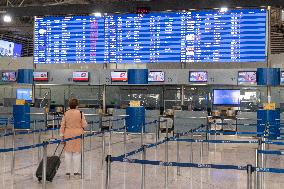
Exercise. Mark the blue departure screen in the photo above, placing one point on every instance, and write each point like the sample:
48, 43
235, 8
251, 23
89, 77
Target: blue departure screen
199, 36
76, 39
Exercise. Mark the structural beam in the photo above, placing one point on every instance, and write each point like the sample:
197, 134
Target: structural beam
126, 6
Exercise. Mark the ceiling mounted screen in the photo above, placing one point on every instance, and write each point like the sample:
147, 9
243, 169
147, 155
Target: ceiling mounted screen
200, 36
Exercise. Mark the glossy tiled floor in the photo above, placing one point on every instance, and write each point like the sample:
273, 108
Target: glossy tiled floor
128, 176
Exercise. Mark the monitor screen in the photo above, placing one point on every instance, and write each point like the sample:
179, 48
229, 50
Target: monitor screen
9, 76
40, 76
282, 78
81, 76
157, 37
156, 76
8, 48
247, 77
24, 94
226, 97
198, 76
119, 76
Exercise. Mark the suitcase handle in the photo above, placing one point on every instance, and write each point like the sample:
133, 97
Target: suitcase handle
57, 149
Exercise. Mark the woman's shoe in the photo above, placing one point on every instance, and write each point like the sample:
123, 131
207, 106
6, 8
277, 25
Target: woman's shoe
77, 174
68, 175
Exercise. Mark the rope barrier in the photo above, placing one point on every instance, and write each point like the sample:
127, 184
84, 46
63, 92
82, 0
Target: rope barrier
178, 164
43, 130
229, 132
196, 165
216, 141
141, 149
56, 141
273, 142
271, 152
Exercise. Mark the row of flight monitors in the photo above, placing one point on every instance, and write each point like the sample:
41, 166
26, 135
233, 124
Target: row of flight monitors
83, 76
244, 77
11, 76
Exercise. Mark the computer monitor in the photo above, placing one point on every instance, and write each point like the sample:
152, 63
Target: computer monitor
226, 97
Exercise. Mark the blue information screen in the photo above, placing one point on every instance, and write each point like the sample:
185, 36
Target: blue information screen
24, 94
226, 97
76, 39
199, 36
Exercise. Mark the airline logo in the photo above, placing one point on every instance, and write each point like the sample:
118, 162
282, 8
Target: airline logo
40, 76
80, 76
119, 76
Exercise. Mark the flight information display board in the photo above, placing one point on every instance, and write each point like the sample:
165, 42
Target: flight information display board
199, 36
231, 36
145, 38
76, 39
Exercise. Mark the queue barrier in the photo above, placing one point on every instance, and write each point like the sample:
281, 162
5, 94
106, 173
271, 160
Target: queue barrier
217, 141
195, 165
271, 152
230, 132
45, 130
177, 164
249, 168
56, 141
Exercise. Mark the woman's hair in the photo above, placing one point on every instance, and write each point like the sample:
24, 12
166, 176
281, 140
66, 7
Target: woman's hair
73, 103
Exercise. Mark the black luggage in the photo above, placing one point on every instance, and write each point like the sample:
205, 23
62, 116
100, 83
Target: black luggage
52, 165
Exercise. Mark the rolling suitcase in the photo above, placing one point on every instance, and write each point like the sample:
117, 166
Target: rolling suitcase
52, 165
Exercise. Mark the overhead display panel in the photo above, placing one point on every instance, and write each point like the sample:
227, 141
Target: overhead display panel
230, 36
199, 36
75, 39
145, 38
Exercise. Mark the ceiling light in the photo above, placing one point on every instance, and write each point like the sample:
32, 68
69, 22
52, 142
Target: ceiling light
224, 9
98, 14
7, 18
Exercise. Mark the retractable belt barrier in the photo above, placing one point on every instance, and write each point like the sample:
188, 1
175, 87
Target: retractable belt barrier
271, 152
216, 141
48, 129
195, 165
179, 164
230, 132
57, 141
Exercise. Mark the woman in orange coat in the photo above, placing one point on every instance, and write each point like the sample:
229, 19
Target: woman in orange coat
72, 125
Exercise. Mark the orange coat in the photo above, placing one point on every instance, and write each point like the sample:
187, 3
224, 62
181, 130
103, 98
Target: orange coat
72, 125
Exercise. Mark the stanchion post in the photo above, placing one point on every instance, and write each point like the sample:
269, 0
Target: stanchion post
34, 128
108, 172
167, 129
256, 183
5, 132
44, 162
249, 176
143, 180
82, 155
208, 136
124, 136
91, 133
262, 164
53, 125
178, 157
191, 148
109, 142
13, 153
38, 152
45, 120
166, 160
157, 130
142, 134
103, 148
201, 152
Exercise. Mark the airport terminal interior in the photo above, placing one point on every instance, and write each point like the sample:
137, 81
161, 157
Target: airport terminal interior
150, 94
